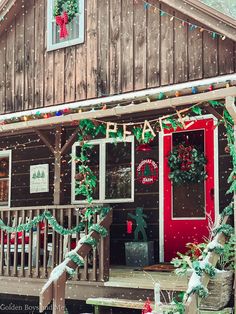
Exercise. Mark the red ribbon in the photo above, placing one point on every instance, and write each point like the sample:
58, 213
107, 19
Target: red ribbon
62, 21
147, 307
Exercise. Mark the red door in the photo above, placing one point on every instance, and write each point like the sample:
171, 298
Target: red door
188, 208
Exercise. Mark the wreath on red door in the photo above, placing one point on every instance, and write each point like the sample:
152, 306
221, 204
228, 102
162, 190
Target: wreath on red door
64, 12
187, 165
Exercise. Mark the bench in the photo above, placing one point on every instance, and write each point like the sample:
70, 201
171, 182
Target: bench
101, 303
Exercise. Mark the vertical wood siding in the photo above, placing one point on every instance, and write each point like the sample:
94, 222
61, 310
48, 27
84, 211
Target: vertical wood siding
126, 48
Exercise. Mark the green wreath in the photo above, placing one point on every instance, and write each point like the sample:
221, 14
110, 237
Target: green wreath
68, 6
187, 165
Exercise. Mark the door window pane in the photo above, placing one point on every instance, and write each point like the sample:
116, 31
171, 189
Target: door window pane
189, 199
118, 170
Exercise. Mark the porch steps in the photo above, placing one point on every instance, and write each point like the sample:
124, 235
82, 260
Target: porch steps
101, 303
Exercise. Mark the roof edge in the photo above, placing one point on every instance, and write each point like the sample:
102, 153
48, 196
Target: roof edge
203, 16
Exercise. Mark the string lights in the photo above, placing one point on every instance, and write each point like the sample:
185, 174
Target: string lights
191, 26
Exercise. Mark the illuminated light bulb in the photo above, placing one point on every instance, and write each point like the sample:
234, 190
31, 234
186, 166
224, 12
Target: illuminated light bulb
194, 90
58, 113
210, 88
66, 110
201, 29
161, 96
224, 37
227, 85
177, 93
25, 118
104, 107
80, 111
172, 18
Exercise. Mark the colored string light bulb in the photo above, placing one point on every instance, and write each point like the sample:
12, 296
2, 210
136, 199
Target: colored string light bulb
194, 90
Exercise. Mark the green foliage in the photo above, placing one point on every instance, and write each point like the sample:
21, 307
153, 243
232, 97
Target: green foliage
197, 110
70, 6
174, 123
88, 182
138, 133
228, 210
226, 229
34, 222
200, 268
194, 171
200, 290
227, 258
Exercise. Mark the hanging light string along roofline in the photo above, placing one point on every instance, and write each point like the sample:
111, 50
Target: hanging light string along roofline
192, 26
17, 145
162, 118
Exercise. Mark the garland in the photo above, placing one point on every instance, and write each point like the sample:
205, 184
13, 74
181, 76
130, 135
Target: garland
226, 229
99, 229
187, 165
89, 241
200, 268
74, 257
64, 12
200, 290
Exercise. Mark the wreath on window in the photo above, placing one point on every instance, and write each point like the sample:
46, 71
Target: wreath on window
64, 12
187, 165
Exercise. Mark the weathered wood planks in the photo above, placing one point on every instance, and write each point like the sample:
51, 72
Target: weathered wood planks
127, 47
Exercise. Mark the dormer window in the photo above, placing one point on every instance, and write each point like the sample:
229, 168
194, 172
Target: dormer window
57, 27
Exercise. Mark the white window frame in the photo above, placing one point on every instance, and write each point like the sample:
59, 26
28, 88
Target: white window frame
67, 43
8, 154
102, 170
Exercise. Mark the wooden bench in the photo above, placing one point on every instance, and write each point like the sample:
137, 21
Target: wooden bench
102, 305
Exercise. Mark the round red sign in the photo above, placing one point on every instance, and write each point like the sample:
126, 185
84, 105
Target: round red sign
147, 171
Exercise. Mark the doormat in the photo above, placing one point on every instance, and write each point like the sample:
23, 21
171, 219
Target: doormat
160, 267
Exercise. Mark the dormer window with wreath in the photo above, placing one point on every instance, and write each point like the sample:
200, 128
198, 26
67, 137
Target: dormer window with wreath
65, 23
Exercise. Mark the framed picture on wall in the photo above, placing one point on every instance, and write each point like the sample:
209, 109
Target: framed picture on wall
39, 178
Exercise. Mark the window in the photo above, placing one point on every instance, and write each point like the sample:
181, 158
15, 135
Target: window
5, 178
112, 161
75, 29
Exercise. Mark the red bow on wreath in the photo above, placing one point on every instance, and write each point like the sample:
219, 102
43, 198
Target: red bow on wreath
62, 21
185, 155
147, 307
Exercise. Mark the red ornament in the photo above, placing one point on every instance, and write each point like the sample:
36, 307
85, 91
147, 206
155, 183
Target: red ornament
66, 110
61, 22
147, 307
129, 224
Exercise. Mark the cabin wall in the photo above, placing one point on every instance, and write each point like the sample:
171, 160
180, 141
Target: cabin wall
126, 48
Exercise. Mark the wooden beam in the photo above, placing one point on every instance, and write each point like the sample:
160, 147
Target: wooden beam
230, 106
211, 110
175, 102
202, 17
45, 139
57, 167
72, 139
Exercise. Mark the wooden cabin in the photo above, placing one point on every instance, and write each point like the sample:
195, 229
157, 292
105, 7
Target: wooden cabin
127, 64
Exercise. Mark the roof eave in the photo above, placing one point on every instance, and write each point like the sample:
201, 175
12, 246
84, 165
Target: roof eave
203, 16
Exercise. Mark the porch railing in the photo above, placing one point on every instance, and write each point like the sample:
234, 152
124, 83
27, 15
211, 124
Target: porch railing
36, 252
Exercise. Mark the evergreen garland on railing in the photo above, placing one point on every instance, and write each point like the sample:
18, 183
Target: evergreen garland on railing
52, 222
74, 257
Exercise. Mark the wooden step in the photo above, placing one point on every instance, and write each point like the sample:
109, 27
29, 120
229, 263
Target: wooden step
99, 303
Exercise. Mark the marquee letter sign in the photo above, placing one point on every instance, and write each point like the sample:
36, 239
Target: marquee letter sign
147, 171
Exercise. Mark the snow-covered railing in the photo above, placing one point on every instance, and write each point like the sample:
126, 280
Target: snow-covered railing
197, 286
54, 289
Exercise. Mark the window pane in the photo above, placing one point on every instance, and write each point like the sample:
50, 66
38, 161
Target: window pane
94, 157
189, 199
118, 170
4, 180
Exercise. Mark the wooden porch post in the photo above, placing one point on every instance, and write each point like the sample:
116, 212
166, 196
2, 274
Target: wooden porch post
230, 106
57, 167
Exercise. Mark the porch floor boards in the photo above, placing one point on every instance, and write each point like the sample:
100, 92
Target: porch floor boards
127, 277
120, 277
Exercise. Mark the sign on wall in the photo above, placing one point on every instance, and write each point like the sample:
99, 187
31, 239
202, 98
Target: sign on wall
39, 178
147, 171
